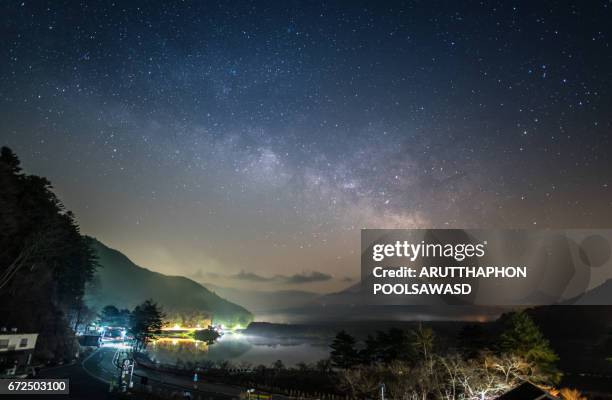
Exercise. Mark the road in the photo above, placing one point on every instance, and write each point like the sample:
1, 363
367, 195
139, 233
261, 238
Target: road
203, 386
90, 379
101, 365
82, 385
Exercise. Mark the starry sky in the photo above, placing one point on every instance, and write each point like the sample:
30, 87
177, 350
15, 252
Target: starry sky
247, 143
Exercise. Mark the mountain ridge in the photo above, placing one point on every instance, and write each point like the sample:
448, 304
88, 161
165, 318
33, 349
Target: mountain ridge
121, 282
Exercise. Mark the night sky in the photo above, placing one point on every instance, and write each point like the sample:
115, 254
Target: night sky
247, 143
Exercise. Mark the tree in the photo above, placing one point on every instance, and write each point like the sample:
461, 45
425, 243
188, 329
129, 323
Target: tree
324, 366
343, 353
146, 321
512, 367
478, 379
278, 365
44, 261
112, 316
424, 342
523, 338
395, 344
398, 346
361, 382
10, 160
372, 351
108, 315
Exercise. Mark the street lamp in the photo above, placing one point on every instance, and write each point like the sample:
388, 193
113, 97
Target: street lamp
382, 391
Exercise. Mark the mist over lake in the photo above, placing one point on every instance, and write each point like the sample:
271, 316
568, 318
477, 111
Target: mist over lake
240, 349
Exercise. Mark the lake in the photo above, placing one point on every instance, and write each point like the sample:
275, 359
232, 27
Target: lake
240, 349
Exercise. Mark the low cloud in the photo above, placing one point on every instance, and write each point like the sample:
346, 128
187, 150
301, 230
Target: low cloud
200, 274
295, 279
314, 276
251, 277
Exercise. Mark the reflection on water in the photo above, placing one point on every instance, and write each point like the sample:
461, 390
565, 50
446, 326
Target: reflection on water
238, 348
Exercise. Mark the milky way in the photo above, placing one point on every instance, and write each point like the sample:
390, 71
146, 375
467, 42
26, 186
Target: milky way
230, 140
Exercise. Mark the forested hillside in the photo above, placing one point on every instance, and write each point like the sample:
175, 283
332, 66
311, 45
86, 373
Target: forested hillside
124, 284
44, 261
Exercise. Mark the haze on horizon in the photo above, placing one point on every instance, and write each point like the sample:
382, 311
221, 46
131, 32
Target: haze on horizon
246, 144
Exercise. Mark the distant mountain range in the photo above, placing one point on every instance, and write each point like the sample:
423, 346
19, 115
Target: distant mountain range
349, 305
601, 295
260, 301
343, 306
124, 284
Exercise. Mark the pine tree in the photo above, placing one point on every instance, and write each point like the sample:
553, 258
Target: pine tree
10, 159
343, 353
523, 338
146, 323
109, 315
389, 346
